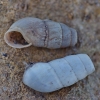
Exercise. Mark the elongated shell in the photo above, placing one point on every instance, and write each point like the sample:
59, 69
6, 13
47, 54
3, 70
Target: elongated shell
59, 73
40, 33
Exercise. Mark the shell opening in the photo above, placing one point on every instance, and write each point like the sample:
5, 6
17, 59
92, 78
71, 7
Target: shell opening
15, 39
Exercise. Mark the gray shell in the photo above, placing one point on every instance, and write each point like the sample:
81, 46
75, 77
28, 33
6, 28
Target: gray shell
42, 33
59, 73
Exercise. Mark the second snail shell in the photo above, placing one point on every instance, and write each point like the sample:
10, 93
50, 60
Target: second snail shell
41, 33
59, 73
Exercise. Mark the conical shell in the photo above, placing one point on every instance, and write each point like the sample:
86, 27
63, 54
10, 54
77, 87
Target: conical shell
40, 33
59, 73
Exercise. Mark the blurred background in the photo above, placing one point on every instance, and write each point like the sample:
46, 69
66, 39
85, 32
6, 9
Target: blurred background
83, 15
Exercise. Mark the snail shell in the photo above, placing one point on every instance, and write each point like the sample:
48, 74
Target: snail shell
40, 33
59, 73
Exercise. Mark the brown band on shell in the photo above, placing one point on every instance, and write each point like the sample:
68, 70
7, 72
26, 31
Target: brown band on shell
55, 36
66, 35
47, 34
62, 35
73, 37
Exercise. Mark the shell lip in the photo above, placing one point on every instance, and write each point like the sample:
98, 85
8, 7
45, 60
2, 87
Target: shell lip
17, 29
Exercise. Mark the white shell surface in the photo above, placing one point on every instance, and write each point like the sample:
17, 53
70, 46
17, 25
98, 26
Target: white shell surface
77, 66
59, 73
61, 66
87, 63
42, 77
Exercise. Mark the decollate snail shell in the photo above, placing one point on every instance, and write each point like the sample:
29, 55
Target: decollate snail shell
40, 33
59, 73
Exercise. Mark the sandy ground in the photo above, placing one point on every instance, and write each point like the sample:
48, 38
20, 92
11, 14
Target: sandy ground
83, 15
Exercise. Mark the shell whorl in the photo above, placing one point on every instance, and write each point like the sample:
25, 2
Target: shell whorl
59, 73
43, 33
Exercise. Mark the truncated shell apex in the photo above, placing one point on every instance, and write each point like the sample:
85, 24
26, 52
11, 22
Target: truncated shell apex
59, 73
40, 33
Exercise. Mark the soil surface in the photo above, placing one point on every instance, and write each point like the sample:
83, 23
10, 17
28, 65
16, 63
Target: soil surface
83, 15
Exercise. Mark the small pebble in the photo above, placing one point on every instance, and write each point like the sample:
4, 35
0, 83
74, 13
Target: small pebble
30, 63
5, 54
